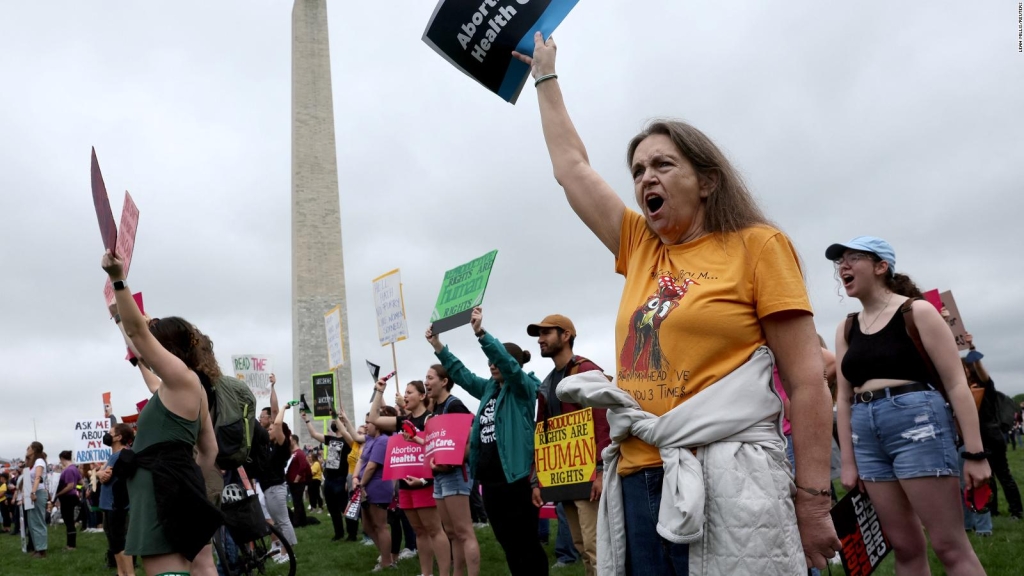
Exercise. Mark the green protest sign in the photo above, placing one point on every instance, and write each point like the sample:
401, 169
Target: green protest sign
462, 290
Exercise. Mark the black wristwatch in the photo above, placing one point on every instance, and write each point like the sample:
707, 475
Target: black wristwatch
481, 333
983, 455
119, 284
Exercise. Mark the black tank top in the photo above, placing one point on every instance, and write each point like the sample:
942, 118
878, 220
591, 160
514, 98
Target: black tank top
888, 353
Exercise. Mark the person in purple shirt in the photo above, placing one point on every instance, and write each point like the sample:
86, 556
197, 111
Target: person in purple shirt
376, 493
68, 496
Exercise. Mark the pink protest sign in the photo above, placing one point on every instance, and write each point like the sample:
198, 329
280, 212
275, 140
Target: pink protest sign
405, 458
125, 241
933, 298
108, 229
548, 512
447, 436
954, 320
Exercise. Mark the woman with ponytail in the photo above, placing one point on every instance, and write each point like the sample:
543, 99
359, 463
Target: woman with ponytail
452, 484
416, 495
36, 497
501, 444
171, 521
896, 431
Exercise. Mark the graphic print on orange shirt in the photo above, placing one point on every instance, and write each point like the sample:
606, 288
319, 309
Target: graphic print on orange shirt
641, 350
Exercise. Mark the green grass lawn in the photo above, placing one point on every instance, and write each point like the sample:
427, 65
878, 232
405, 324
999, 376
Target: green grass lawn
316, 555
1002, 554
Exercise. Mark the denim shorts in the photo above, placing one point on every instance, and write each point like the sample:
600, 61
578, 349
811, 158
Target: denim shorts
905, 436
454, 483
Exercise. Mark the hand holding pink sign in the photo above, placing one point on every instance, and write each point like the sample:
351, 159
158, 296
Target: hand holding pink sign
405, 458
447, 436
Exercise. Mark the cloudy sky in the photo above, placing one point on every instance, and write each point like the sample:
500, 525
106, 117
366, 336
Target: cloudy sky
901, 120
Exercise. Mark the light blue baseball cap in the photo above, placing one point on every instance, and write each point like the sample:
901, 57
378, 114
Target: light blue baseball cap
872, 244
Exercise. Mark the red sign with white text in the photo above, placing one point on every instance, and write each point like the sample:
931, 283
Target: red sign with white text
447, 437
405, 458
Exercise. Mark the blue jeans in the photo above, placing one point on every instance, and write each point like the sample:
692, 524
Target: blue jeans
647, 553
565, 550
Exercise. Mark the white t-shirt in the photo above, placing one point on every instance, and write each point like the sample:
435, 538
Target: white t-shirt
30, 479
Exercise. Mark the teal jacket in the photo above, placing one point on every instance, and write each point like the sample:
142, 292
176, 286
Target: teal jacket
514, 409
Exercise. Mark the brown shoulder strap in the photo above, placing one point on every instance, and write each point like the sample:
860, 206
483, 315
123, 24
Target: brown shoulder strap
907, 309
850, 319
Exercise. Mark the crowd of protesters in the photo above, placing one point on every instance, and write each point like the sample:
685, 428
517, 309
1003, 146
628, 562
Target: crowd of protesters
753, 419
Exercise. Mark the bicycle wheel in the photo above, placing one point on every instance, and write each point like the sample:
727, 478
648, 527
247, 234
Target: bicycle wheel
261, 561
223, 563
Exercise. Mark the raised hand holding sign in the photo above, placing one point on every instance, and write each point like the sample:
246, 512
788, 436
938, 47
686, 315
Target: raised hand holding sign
479, 38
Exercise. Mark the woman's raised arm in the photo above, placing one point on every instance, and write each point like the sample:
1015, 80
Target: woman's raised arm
593, 200
169, 368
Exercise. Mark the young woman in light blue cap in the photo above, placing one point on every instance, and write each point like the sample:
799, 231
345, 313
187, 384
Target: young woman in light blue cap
896, 432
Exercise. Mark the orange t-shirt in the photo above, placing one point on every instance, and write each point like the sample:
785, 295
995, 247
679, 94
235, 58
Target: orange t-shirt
690, 313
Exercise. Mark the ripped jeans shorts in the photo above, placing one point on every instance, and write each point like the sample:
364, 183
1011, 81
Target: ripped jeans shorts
905, 436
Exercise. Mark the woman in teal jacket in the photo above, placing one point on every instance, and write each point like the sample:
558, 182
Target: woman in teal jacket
501, 444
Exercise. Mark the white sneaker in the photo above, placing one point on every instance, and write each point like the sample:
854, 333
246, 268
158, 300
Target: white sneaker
405, 554
480, 525
368, 542
277, 554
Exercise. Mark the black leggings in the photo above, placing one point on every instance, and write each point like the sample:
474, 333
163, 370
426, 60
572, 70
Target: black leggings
5, 513
68, 505
1001, 472
298, 502
514, 521
315, 501
335, 498
399, 524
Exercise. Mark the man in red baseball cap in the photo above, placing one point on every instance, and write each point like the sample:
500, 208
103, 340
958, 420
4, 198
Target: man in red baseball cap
556, 335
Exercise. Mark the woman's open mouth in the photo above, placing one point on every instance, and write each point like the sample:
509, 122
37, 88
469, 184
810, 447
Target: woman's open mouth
847, 279
653, 202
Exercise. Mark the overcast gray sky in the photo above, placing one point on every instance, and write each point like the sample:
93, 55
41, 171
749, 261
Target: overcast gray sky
901, 120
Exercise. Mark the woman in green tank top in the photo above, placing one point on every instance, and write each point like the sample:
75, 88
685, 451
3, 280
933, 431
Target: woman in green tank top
177, 363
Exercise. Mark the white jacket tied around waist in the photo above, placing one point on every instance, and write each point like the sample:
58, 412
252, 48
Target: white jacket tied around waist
732, 501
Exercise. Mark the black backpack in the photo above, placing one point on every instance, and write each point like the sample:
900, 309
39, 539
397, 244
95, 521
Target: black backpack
1006, 411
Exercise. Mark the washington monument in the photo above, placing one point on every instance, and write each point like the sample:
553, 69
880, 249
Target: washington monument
318, 269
